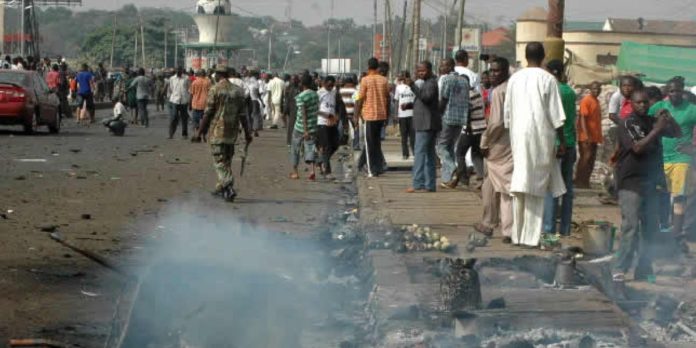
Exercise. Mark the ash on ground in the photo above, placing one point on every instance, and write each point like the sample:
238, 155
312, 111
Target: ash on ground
668, 320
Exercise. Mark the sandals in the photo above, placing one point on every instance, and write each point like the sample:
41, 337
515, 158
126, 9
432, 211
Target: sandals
618, 277
479, 227
295, 176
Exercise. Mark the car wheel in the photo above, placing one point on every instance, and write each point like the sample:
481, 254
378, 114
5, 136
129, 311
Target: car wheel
30, 128
55, 127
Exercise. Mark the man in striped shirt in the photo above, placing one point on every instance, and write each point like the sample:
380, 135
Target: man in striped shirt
305, 132
347, 92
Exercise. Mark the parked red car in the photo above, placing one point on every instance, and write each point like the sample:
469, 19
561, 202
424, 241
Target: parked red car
26, 100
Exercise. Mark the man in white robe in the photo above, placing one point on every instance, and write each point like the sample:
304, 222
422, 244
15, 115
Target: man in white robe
534, 114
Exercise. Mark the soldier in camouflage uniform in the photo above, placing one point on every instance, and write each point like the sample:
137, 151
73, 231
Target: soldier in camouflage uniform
225, 114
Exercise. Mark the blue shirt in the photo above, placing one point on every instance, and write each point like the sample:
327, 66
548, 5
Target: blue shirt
455, 88
84, 79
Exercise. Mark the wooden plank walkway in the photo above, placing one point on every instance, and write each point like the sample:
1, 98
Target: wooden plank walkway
452, 213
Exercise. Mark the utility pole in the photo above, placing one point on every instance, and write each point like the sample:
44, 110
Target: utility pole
142, 38
415, 47
340, 58
460, 25
113, 42
383, 49
328, 39
555, 46
166, 32
359, 57
374, 29
444, 29
2, 27
287, 56
176, 48
270, 47
135, 50
401, 36
389, 37
217, 29
24, 31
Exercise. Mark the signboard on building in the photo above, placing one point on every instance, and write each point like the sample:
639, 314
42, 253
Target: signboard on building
422, 44
471, 39
337, 66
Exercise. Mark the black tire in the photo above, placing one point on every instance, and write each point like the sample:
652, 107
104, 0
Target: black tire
30, 128
55, 127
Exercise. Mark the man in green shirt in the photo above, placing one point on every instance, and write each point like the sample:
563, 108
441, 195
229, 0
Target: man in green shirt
305, 132
678, 152
225, 114
567, 158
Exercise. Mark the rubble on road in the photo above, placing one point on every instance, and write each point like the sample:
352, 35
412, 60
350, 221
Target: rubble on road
415, 238
548, 338
668, 320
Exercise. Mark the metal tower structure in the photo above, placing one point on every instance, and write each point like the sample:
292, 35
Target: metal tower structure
29, 35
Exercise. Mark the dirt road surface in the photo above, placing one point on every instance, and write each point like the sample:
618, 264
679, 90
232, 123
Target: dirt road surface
106, 194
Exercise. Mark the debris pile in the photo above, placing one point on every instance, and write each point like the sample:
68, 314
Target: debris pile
666, 319
460, 288
421, 238
476, 240
550, 338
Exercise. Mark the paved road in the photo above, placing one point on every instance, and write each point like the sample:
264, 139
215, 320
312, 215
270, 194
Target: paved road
108, 194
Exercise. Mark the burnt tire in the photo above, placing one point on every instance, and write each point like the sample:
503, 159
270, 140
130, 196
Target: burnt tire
55, 127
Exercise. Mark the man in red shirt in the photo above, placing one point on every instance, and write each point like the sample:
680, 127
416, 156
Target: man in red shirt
627, 85
589, 128
53, 78
486, 91
199, 96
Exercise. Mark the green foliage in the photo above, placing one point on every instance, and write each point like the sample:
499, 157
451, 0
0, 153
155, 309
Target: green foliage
88, 35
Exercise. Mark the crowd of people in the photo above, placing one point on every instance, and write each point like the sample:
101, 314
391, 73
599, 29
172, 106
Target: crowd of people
523, 132
527, 136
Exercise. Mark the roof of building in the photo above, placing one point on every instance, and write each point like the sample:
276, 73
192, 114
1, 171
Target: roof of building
582, 26
641, 25
496, 37
623, 25
535, 14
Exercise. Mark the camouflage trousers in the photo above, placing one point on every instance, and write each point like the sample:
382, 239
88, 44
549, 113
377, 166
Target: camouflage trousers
222, 162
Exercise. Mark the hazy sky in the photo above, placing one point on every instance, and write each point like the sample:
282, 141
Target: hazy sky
496, 11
